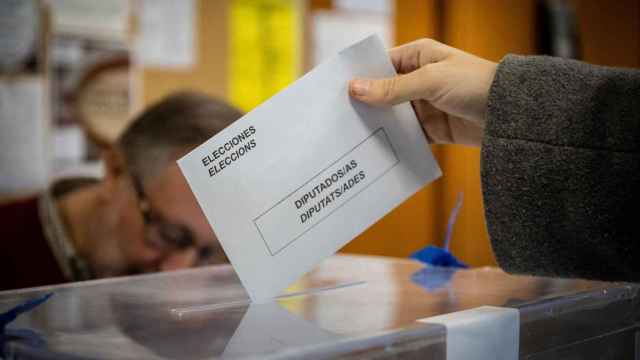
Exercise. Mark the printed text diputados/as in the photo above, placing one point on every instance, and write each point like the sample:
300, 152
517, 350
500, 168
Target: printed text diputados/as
320, 199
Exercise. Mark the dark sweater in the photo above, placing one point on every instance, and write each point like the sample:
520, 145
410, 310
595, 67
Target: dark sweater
26, 259
561, 169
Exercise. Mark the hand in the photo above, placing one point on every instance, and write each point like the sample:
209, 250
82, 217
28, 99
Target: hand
448, 89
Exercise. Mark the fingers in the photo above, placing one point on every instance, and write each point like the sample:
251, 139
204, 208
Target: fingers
391, 91
412, 62
411, 56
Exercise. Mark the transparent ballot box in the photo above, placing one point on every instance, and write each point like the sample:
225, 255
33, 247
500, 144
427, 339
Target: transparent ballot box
352, 307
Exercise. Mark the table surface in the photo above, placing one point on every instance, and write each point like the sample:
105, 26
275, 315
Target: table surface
348, 306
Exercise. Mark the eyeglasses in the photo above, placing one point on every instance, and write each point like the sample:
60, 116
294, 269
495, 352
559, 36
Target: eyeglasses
163, 235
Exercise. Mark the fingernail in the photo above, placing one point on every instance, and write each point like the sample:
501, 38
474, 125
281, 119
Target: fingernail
359, 87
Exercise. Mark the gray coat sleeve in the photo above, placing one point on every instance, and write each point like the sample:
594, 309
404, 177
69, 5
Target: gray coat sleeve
560, 169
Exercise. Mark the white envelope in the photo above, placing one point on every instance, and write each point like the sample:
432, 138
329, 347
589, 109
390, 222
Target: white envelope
294, 180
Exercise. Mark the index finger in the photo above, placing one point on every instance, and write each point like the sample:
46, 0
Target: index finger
412, 56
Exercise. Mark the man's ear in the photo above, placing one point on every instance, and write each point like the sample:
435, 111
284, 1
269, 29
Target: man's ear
114, 167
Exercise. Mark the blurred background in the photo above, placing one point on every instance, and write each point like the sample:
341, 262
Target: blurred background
74, 72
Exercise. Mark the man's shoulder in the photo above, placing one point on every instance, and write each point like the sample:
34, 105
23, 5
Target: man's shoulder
20, 225
23, 244
19, 213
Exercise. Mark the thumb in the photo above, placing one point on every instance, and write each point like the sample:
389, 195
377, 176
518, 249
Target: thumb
390, 91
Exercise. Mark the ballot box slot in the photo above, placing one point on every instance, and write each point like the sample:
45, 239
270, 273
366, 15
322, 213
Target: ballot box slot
181, 312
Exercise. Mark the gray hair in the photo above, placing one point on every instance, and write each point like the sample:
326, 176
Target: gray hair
175, 124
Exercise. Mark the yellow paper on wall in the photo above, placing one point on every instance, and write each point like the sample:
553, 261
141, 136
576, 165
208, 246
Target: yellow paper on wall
265, 49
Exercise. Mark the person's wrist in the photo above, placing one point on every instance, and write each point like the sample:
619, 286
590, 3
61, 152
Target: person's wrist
487, 74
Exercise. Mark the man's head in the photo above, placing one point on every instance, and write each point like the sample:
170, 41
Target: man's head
152, 214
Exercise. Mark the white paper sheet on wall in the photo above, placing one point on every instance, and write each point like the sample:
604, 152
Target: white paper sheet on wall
167, 33
24, 142
307, 171
334, 30
103, 19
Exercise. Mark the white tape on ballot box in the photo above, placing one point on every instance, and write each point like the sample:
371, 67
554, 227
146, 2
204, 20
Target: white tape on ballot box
483, 333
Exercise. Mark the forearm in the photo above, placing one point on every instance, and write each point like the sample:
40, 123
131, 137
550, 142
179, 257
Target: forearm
561, 168
565, 103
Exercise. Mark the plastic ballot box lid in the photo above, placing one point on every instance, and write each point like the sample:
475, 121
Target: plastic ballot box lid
347, 307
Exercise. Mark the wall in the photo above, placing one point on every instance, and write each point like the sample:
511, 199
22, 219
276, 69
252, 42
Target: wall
209, 73
488, 28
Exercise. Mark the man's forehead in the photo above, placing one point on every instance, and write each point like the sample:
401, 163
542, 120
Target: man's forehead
170, 174
168, 177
